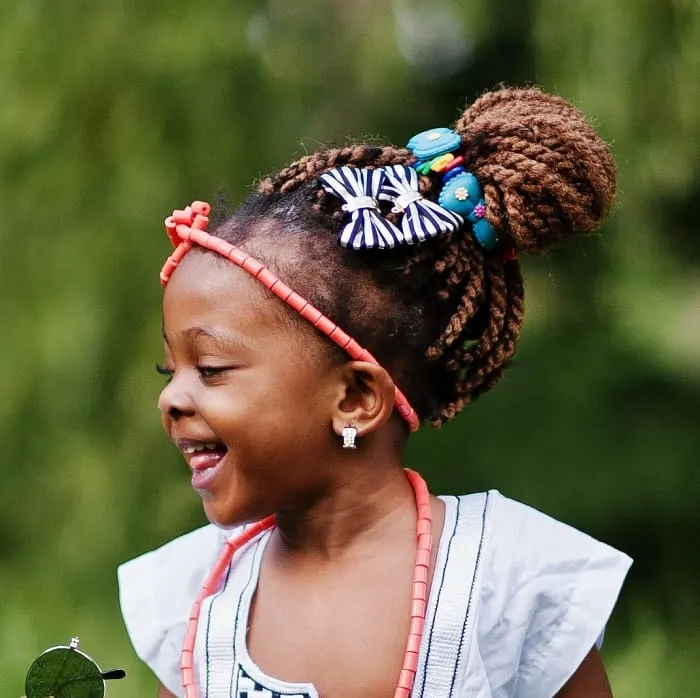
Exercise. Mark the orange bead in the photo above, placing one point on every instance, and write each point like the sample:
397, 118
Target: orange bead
201, 207
406, 678
252, 266
296, 301
220, 246
413, 645
187, 677
424, 511
237, 256
416, 626
423, 558
313, 315
281, 290
266, 277
200, 222
339, 337
418, 608
325, 325
194, 612
411, 662
420, 589
424, 526
354, 349
421, 574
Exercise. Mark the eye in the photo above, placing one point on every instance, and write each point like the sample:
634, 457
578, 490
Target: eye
208, 372
163, 371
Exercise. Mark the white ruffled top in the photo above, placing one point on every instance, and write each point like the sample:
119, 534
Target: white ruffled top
518, 599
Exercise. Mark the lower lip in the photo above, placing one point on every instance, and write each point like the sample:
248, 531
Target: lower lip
205, 470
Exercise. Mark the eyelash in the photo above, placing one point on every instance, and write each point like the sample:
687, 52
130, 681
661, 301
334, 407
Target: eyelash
168, 373
205, 372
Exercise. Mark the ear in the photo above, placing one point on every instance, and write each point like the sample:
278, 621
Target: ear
366, 399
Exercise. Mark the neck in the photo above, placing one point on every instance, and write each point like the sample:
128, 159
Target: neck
368, 501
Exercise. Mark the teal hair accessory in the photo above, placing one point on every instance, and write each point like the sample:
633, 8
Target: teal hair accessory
461, 192
437, 141
485, 234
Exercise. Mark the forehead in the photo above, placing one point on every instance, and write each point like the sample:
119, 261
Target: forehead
206, 290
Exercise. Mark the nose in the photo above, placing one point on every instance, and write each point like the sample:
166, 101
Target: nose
175, 401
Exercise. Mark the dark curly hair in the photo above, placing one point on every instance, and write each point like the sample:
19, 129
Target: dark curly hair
443, 317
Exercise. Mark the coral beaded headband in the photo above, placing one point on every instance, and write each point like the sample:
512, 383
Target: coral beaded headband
188, 228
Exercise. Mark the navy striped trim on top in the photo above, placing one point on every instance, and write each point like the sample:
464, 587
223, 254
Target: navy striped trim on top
437, 601
467, 615
214, 599
251, 575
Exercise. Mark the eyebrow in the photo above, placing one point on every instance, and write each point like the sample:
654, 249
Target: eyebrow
192, 334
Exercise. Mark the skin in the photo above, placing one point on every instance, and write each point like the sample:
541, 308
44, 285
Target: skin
339, 565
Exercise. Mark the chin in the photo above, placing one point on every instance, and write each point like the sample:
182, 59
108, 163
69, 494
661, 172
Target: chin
227, 516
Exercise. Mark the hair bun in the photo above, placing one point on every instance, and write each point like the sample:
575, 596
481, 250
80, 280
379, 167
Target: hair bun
545, 172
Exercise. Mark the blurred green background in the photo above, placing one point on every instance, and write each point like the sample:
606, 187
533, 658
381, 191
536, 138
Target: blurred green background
112, 114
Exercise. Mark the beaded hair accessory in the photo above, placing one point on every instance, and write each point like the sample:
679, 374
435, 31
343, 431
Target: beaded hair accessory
461, 198
461, 192
188, 227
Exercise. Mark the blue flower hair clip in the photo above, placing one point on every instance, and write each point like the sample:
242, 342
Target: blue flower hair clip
437, 141
461, 192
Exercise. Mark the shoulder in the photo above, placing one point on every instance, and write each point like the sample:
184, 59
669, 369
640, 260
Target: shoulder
156, 592
546, 591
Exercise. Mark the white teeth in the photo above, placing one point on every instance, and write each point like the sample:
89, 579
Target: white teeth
189, 450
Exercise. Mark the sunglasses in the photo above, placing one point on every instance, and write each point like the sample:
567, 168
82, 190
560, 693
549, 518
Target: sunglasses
67, 672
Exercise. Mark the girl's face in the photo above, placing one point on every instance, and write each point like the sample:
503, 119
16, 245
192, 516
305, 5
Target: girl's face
252, 390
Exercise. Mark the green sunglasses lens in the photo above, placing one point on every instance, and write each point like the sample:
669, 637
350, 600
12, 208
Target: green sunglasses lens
64, 672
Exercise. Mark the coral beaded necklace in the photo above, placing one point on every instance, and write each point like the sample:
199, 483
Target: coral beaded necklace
418, 601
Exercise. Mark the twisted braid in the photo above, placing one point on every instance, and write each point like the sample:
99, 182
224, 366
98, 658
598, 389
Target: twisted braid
310, 166
444, 316
555, 174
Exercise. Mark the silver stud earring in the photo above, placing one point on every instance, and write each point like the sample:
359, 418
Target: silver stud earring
349, 435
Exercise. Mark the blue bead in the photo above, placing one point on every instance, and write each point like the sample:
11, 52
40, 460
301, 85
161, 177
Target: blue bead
437, 141
461, 194
452, 173
485, 234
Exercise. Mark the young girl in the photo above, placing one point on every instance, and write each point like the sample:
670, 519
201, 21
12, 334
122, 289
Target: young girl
359, 292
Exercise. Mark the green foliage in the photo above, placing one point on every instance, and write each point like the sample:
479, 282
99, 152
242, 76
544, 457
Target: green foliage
114, 113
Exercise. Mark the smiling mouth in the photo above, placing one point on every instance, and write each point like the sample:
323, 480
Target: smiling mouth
205, 459
201, 455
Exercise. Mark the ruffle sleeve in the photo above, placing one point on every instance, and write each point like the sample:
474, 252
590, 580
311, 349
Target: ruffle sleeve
156, 592
547, 593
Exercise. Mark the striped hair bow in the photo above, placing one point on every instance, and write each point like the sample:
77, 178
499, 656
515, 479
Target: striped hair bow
359, 189
422, 218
